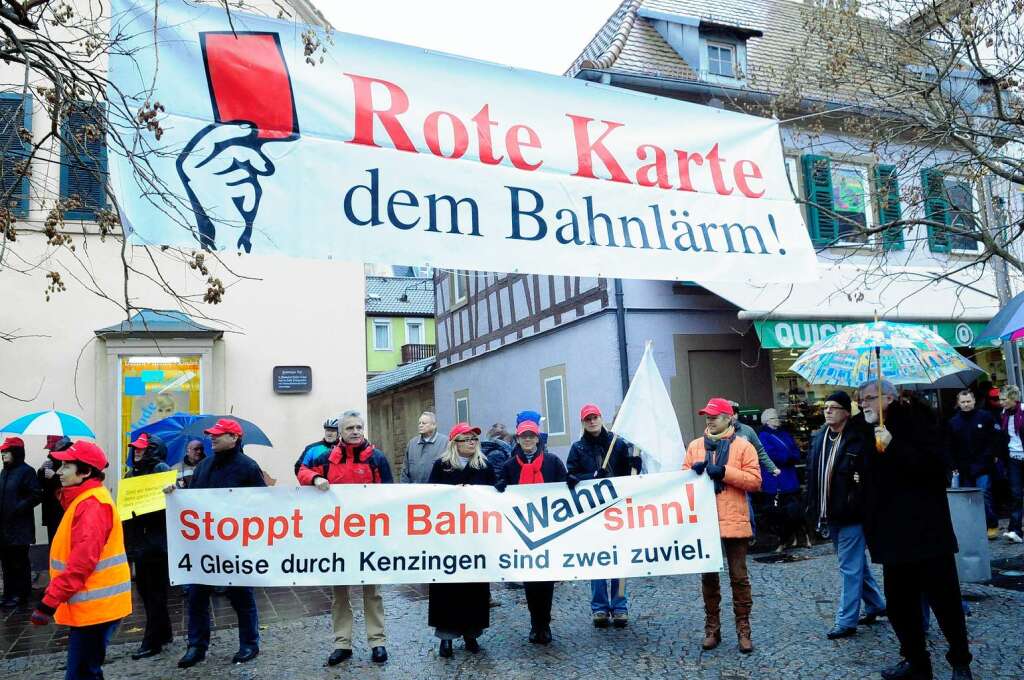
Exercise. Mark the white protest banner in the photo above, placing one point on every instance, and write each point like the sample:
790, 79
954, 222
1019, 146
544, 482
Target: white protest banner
388, 153
420, 533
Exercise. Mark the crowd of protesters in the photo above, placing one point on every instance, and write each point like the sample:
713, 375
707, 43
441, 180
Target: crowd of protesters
877, 492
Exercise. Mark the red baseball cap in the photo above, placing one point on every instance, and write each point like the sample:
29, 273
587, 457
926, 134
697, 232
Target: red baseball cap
589, 410
84, 452
462, 428
12, 441
527, 426
51, 441
716, 407
225, 426
994, 392
142, 442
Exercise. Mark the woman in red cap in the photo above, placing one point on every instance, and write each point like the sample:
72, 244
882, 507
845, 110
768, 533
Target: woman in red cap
90, 586
531, 464
460, 609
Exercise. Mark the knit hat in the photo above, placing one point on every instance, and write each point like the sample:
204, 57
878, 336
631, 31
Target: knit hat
841, 398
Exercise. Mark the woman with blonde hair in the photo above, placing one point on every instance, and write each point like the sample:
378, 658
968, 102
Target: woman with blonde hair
460, 609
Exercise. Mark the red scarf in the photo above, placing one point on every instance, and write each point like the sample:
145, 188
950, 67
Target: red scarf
529, 473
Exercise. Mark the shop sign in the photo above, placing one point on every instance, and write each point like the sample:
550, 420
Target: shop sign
802, 334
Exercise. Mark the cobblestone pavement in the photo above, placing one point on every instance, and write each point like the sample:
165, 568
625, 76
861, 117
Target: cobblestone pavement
793, 608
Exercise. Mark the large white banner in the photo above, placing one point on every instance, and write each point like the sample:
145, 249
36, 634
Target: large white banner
418, 533
388, 153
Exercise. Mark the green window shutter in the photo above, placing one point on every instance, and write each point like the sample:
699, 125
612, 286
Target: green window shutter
887, 201
14, 114
818, 192
936, 209
83, 160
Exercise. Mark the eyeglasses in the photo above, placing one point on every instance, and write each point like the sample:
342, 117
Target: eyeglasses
467, 440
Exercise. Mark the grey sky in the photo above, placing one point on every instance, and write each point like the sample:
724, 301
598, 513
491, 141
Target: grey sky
543, 35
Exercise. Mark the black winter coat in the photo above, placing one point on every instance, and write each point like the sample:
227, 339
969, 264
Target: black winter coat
145, 536
49, 490
972, 444
497, 454
227, 470
19, 493
846, 495
463, 608
906, 513
587, 454
552, 469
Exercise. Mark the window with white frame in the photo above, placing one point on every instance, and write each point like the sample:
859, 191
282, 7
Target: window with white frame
721, 59
414, 332
382, 336
462, 406
554, 405
793, 175
851, 201
963, 205
457, 281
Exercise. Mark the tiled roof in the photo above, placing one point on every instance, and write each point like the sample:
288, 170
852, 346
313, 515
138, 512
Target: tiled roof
399, 296
149, 321
783, 59
400, 375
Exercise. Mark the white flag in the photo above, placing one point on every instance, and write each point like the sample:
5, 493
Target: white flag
647, 420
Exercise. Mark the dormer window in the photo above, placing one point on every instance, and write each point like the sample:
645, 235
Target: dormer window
721, 59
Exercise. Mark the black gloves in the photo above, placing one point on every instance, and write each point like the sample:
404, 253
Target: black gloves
571, 481
715, 472
636, 463
601, 473
699, 466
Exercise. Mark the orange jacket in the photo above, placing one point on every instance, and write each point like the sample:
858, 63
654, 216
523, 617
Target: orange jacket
742, 474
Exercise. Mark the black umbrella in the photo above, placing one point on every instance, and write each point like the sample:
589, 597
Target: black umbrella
252, 434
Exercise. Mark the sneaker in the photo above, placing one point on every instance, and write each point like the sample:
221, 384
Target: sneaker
1013, 537
993, 533
601, 619
620, 619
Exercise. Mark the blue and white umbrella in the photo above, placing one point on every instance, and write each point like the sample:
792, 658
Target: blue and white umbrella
43, 423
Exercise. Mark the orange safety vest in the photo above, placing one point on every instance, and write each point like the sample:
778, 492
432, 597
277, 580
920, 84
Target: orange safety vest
107, 595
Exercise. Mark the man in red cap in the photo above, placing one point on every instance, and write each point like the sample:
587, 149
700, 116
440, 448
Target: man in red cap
731, 463
90, 586
227, 468
587, 461
19, 493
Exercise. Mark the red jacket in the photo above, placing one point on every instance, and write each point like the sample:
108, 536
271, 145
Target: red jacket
90, 529
347, 464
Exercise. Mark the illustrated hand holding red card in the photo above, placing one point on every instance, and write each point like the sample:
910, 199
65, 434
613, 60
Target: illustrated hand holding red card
249, 82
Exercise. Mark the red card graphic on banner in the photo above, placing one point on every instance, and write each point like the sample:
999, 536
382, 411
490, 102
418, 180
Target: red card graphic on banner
249, 82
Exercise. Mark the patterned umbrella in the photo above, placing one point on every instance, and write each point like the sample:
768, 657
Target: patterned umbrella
909, 354
49, 422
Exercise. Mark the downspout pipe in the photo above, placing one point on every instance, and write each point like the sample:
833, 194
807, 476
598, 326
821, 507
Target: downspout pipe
620, 324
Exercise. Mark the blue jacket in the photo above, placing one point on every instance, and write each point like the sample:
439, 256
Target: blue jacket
311, 452
782, 449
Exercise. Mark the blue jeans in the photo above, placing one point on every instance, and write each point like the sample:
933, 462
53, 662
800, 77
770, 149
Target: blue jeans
242, 601
1015, 471
858, 583
87, 648
983, 482
599, 596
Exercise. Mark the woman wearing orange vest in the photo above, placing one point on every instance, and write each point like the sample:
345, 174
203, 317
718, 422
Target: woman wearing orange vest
90, 583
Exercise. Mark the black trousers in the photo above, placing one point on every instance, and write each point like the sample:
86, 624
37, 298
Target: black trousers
538, 598
17, 571
906, 584
152, 582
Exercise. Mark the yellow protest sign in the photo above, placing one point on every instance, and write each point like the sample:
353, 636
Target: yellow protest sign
139, 495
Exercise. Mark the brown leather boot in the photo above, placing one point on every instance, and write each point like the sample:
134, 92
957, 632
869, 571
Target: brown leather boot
742, 601
712, 617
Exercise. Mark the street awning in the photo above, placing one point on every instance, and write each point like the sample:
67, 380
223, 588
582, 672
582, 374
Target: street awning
798, 315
